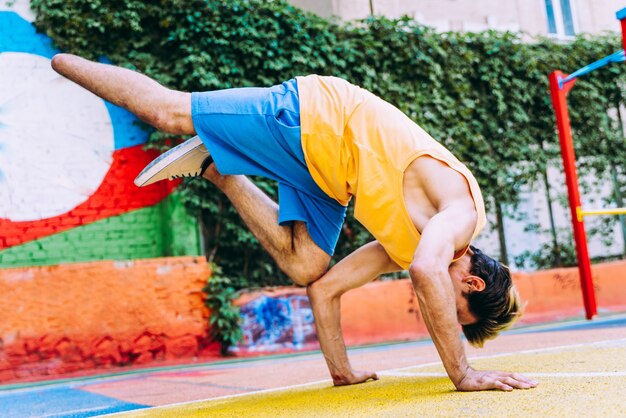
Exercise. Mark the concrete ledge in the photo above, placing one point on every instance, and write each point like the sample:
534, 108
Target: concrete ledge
280, 319
555, 294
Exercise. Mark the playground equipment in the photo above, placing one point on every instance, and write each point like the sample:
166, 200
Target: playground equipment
560, 86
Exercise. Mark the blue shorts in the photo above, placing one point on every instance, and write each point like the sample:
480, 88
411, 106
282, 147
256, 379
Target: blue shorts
256, 131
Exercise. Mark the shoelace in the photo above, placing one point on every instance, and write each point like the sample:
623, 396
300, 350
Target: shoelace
205, 164
176, 176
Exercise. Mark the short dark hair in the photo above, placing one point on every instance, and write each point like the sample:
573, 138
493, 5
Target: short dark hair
498, 306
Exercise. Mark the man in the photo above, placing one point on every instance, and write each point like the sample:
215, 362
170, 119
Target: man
325, 141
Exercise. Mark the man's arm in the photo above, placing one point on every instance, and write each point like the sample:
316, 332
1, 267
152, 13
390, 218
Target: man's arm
451, 228
360, 267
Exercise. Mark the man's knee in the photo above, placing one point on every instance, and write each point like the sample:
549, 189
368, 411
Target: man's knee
306, 262
308, 271
174, 114
304, 278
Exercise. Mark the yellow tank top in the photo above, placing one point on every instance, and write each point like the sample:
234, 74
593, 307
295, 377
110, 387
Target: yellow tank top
356, 144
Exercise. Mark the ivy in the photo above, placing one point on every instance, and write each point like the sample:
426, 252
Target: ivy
483, 95
224, 323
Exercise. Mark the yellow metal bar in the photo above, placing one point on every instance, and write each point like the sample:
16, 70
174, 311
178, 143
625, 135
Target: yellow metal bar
612, 211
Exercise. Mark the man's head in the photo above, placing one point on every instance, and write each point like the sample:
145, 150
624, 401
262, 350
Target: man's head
487, 299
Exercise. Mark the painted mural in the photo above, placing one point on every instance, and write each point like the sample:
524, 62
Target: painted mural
67, 161
277, 323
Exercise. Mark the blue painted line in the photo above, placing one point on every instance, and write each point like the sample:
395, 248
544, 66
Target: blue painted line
616, 322
60, 402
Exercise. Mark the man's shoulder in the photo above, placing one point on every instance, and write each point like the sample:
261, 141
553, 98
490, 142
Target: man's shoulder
328, 82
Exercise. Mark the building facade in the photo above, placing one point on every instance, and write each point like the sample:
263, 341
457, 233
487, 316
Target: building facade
559, 18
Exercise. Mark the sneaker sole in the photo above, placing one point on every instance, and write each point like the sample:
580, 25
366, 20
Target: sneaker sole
158, 164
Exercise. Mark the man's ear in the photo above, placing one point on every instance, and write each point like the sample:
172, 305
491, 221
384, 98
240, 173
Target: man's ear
474, 283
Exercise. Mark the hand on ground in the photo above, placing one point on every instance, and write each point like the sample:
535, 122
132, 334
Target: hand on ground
487, 380
354, 378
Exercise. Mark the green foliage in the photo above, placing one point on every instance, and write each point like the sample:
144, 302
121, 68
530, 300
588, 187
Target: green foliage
225, 320
483, 95
551, 254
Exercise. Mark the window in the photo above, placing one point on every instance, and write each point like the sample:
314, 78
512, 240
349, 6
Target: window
568, 19
560, 18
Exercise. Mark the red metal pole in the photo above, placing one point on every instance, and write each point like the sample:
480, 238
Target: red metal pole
559, 101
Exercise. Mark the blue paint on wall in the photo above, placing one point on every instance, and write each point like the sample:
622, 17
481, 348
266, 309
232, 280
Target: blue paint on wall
2, 176
127, 129
60, 402
19, 35
275, 323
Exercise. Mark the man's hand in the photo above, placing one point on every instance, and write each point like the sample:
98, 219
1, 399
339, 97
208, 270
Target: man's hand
354, 378
487, 380
358, 268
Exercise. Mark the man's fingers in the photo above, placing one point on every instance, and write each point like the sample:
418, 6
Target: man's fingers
502, 386
524, 379
477, 380
357, 377
518, 384
367, 376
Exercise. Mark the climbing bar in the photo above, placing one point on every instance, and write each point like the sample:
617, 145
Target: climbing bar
612, 211
616, 57
560, 85
580, 213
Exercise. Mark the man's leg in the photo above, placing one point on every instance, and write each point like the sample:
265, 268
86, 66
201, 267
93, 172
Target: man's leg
291, 247
165, 109
170, 111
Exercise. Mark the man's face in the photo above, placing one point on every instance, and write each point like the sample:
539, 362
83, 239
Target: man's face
464, 283
463, 313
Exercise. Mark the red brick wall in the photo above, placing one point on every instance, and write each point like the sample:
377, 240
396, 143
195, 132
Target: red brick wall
65, 318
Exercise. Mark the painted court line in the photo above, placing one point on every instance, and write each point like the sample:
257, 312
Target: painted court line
579, 374
402, 372
605, 343
238, 395
556, 374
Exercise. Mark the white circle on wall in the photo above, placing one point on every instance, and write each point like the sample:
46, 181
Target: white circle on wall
56, 140
21, 7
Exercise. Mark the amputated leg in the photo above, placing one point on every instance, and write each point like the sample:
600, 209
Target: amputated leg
165, 109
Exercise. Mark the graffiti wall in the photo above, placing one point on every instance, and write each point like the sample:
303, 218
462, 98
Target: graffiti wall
277, 323
67, 162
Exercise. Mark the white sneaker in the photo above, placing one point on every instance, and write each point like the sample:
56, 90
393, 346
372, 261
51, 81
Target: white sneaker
189, 159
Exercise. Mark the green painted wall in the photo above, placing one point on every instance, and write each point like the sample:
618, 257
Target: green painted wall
161, 230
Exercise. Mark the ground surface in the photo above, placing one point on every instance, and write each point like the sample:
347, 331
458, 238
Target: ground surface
581, 367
